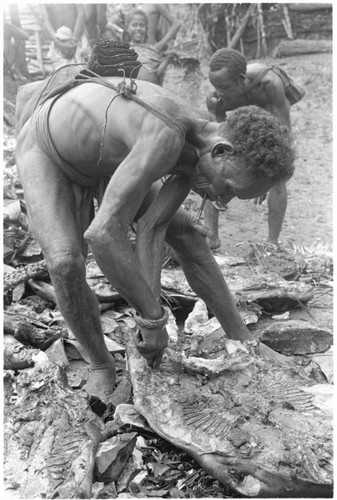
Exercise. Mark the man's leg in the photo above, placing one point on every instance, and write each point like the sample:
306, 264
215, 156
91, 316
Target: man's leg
211, 221
277, 206
50, 204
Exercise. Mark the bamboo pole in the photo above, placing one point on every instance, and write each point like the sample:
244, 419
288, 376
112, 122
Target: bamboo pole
286, 22
258, 42
262, 30
228, 34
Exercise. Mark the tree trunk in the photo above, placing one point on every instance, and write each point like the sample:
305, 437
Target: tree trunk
293, 47
307, 7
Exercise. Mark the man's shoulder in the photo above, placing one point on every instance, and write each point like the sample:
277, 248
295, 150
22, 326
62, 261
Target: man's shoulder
255, 68
263, 73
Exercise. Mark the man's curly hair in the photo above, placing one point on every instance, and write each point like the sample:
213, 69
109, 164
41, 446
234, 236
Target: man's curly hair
231, 59
263, 142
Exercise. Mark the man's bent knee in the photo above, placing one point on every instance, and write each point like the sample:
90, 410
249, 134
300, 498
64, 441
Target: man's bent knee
94, 237
66, 266
98, 239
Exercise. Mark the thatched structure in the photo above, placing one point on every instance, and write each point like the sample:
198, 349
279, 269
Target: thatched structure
257, 29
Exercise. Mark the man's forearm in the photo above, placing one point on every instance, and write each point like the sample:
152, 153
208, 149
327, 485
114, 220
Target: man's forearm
120, 268
151, 229
205, 278
207, 281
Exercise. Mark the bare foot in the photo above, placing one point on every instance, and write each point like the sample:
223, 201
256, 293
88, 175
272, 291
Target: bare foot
101, 382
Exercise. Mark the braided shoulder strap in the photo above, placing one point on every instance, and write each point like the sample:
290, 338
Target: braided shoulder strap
259, 78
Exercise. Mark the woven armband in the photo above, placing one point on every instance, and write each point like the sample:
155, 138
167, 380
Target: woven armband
152, 324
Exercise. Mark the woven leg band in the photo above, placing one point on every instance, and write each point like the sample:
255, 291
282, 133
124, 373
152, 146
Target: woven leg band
152, 324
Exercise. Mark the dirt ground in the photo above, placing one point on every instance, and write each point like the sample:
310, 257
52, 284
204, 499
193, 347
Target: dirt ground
310, 207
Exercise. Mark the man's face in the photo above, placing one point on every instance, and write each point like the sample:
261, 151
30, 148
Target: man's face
226, 87
222, 179
137, 29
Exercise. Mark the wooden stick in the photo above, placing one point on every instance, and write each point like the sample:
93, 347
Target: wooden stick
258, 36
21, 274
263, 33
286, 22
239, 32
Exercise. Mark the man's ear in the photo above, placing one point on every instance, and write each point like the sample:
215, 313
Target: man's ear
221, 148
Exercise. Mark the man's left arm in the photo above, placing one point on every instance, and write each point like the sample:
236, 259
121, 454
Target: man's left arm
204, 275
206, 279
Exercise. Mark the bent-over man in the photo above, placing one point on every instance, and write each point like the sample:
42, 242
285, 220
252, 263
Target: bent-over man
153, 155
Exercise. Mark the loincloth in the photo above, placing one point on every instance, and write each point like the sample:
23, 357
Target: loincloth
148, 56
85, 188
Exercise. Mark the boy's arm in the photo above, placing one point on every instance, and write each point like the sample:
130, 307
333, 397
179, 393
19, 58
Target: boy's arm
216, 107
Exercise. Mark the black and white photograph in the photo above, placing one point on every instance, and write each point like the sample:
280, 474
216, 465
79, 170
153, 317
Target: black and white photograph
168, 306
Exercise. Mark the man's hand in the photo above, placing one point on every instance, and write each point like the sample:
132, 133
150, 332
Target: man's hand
151, 344
215, 106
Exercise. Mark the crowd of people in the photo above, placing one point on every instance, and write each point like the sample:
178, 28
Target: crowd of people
75, 28
155, 151
149, 29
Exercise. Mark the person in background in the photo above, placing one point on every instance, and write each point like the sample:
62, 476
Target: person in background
117, 14
13, 37
233, 82
95, 21
162, 24
154, 63
65, 25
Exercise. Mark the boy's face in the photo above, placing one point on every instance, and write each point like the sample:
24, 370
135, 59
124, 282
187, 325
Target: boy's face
227, 87
137, 29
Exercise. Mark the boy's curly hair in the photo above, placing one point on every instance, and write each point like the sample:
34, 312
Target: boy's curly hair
231, 59
265, 144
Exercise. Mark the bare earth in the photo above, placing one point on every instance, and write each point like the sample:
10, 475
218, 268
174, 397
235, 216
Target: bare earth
309, 214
